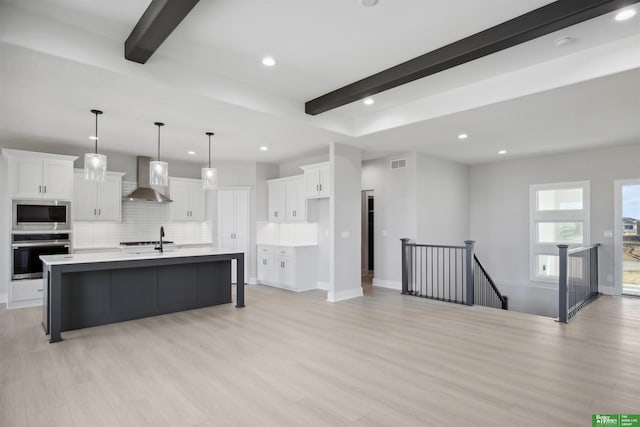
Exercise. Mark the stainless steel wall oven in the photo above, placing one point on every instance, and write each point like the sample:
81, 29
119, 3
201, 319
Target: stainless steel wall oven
26, 249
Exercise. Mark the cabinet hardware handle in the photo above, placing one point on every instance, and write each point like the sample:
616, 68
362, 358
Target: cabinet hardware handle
317, 187
94, 212
40, 290
99, 211
45, 188
320, 187
294, 213
39, 188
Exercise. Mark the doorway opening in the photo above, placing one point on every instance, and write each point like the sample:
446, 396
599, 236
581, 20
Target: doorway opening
630, 197
367, 234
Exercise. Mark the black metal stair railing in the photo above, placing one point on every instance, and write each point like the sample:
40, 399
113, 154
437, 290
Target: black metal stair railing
577, 279
448, 273
485, 291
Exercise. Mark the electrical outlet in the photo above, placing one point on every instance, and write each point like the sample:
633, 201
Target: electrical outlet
609, 278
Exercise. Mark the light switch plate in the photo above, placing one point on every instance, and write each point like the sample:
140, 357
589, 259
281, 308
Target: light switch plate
608, 233
384, 233
345, 234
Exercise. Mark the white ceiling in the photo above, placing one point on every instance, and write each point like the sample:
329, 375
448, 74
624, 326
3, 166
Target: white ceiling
60, 58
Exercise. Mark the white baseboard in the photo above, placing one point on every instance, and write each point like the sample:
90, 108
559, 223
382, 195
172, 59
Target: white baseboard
344, 295
23, 304
389, 284
323, 286
608, 290
4, 298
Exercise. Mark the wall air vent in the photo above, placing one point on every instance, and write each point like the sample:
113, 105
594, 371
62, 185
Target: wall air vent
399, 164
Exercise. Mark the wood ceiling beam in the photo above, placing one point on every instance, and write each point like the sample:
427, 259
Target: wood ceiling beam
155, 25
539, 22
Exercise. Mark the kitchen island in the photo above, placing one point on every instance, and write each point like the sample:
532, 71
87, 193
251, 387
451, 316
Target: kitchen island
91, 289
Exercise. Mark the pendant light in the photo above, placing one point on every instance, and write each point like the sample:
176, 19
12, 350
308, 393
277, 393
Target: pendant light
95, 165
209, 175
159, 171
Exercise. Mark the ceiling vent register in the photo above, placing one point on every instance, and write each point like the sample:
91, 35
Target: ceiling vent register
399, 164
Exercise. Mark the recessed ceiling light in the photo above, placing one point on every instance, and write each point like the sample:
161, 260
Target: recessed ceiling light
368, 3
191, 153
268, 61
502, 152
562, 41
264, 148
463, 136
625, 14
369, 101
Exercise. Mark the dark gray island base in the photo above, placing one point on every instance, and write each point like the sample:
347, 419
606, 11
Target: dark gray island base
95, 289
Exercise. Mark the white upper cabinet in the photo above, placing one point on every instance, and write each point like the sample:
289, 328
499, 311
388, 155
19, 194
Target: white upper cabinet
40, 175
295, 201
277, 202
188, 200
317, 179
287, 199
97, 201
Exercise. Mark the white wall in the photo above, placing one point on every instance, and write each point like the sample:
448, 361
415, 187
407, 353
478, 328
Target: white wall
5, 226
427, 202
442, 201
324, 241
344, 219
395, 213
292, 167
499, 206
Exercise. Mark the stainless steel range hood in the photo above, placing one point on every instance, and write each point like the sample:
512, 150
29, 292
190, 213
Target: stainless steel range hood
144, 192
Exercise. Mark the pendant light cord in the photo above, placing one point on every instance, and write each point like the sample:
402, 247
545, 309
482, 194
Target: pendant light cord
209, 134
96, 141
97, 113
159, 124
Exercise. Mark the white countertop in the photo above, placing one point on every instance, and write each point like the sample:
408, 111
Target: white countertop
119, 255
288, 245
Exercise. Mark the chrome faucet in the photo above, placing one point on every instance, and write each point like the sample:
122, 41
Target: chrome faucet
160, 248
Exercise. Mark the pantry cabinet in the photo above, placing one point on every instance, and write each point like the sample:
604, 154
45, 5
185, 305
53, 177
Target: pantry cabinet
233, 224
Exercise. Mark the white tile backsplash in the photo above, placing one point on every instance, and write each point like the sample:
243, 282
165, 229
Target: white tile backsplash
141, 221
272, 233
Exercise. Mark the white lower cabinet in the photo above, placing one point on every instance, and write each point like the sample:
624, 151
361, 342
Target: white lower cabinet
23, 293
288, 267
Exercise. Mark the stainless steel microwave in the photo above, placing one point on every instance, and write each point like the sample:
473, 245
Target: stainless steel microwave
41, 215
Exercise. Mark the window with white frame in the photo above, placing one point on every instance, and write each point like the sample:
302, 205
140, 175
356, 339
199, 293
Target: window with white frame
559, 213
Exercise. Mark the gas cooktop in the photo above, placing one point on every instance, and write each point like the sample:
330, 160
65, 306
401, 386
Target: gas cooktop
149, 243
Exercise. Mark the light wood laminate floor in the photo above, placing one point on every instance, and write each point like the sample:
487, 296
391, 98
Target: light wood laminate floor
292, 359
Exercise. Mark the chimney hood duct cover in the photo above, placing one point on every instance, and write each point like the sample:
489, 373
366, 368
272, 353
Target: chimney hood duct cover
144, 193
